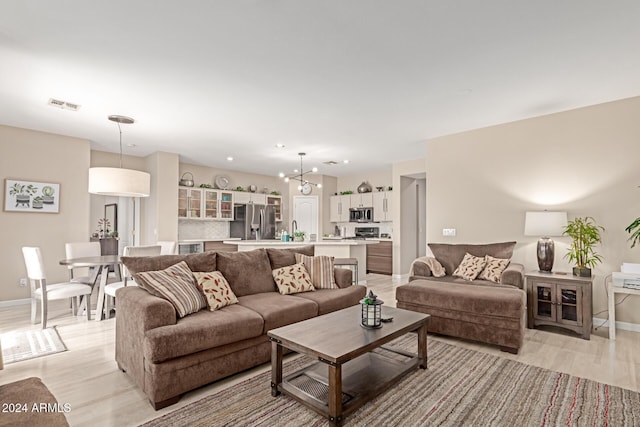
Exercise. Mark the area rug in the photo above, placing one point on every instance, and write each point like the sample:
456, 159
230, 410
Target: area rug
461, 387
24, 345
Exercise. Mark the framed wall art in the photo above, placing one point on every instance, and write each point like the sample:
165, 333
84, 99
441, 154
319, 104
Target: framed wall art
29, 196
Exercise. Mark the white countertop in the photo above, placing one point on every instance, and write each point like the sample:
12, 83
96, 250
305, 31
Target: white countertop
278, 243
207, 240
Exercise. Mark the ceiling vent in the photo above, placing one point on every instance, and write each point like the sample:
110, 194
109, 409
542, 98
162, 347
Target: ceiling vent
63, 104
330, 163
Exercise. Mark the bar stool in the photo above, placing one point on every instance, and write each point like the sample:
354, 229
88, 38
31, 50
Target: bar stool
350, 263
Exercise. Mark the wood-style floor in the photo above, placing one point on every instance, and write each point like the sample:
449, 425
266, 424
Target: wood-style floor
88, 379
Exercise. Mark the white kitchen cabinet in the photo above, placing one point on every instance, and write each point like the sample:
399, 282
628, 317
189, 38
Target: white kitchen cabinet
382, 206
277, 202
189, 203
362, 200
218, 204
339, 208
200, 203
244, 197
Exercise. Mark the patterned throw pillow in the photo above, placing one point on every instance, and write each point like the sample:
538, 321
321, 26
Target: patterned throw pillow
175, 284
216, 289
470, 267
493, 268
320, 269
293, 279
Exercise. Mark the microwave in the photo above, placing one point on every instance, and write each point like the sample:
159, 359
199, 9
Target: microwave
361, 215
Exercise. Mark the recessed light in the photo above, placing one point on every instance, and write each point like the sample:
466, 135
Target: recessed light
229, 159
314, 169
345, 161
279, 145
281, 174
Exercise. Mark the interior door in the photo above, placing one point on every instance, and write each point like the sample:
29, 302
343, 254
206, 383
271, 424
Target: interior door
305, 213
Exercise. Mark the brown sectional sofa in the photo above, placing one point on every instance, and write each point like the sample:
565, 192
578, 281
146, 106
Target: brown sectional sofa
479, 310
167, 356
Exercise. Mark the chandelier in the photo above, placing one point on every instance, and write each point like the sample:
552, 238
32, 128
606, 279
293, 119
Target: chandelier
304, 185
119, 181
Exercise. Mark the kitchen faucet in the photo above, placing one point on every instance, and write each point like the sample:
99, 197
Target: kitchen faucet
294, 227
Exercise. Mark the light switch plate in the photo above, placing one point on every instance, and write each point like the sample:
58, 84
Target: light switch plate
449, 232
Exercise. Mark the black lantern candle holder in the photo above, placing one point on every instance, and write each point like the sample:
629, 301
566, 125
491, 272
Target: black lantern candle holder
371, 311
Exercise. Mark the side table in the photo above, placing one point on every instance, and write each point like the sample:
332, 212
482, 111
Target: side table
613, 290
561, 300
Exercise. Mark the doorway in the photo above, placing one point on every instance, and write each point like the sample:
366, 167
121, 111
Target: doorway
305, 214
413, 201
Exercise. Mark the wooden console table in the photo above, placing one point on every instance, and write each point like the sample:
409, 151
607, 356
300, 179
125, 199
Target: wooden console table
561, 300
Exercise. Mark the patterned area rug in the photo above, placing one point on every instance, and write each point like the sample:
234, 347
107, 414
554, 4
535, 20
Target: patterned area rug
461, 387
24, 345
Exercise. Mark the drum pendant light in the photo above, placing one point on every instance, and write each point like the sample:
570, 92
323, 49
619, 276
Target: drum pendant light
119, 181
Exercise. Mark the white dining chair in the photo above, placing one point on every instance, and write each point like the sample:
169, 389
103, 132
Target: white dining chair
168, 247
43, 292
81, 250
111, 288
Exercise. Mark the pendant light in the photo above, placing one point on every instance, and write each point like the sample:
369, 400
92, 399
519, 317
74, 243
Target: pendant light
305, 185
119, 181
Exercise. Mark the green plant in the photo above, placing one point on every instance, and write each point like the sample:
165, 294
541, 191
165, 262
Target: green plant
239, 188
585, 234
344, 193
299, 234
634, 230
275, 193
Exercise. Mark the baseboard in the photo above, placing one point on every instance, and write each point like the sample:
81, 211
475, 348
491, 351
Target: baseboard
14, 302
625, 326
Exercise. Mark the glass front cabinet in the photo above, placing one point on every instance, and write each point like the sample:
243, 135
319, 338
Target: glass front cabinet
560, 300
194, 203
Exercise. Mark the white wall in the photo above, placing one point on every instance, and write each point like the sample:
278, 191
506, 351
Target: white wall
583, 161
43, 157
377, 178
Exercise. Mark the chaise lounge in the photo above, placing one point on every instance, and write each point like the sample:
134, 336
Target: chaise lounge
490, 310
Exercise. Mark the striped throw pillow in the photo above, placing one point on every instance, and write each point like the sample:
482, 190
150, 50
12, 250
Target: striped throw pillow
320, 269
216, 289
175, 284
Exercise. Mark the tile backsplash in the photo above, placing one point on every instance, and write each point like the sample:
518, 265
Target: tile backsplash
195, 229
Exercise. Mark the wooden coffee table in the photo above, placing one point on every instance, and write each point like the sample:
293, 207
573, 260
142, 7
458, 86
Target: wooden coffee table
353, 366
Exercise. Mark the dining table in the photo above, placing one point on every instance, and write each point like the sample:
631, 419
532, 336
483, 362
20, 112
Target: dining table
99, 267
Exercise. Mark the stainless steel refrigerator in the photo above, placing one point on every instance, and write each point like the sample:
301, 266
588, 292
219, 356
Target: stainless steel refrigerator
254, 222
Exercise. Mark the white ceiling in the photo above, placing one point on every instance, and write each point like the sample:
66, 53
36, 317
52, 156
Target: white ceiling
364, 80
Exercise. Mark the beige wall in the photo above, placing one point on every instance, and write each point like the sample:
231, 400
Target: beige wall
161, 207
43, 157
582, 161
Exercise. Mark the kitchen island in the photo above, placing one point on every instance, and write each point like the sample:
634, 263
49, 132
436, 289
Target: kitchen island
347, 248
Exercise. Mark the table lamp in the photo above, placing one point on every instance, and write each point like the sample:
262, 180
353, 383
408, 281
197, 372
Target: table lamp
545, 224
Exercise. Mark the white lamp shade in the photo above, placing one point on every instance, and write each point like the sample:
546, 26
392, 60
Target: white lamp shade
545, 224
119, 182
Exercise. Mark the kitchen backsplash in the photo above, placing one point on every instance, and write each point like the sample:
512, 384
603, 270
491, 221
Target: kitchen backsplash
195, 229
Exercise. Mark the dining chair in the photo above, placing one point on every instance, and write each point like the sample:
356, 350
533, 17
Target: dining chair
168, 247
111, 288
81, 250
44, 292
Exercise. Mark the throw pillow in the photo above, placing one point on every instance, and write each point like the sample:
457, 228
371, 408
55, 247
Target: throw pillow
175, 284
493, 269
292, 279
470, 267
216, 289
320, 269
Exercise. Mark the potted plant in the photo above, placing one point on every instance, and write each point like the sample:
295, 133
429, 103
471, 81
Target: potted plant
37, 203
23, 193
585, 234
634, 230
298, 236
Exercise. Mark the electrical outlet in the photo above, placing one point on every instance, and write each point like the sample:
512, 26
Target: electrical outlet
449, 232
23, 282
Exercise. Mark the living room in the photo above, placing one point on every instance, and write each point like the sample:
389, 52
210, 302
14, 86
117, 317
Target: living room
553, 150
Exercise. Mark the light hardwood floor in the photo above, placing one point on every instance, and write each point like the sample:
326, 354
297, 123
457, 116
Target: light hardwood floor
88, 379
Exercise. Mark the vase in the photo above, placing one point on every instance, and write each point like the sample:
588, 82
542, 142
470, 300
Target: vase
581, 271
